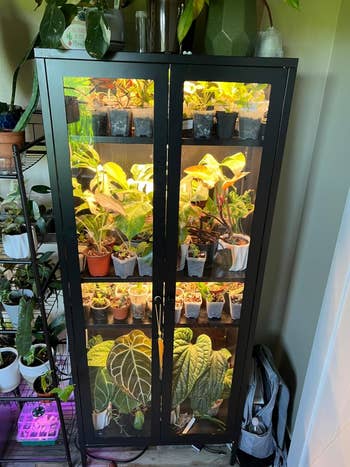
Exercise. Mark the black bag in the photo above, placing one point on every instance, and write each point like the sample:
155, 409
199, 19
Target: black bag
267, 400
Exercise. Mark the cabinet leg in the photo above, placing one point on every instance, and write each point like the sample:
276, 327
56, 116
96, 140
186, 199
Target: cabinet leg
233, 453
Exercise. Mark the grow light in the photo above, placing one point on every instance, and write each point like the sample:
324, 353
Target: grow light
38, 424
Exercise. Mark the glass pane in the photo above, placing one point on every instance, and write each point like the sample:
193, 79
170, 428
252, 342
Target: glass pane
110, 127
223, 131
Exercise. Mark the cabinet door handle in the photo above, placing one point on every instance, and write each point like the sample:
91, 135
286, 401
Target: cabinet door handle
158, 306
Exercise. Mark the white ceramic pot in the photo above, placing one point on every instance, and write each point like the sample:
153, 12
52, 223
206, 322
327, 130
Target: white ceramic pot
239, 253
29, 373
10, 376
13, 310
101, 419
17, 246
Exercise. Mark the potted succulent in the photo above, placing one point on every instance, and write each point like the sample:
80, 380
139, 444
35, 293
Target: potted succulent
200, 97
138, 296
10, 376
34, 363
100, 305
120, 305
192, 304
195, 261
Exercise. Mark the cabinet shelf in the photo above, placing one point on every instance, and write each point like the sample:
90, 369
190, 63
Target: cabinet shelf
113, 139
218, 275
215, 141
128, 322
112, 278
204, 321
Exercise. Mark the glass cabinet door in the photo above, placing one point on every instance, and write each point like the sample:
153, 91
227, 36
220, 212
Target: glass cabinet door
110, 191
217, 161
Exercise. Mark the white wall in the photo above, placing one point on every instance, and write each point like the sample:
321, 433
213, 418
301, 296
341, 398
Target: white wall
322, 428
313, 185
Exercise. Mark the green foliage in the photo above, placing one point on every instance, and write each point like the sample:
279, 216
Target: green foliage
103, 390
199, 95
98, 353
24, 331
199, 372
129, 364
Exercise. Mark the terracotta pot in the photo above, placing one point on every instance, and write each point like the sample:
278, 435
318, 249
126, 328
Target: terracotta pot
7, 139
98, 265
120, 312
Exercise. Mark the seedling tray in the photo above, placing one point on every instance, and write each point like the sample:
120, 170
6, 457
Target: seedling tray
38, 430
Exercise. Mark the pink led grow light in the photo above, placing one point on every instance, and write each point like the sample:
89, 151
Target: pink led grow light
42, 430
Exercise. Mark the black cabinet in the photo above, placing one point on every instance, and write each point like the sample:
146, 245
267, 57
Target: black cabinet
181, 213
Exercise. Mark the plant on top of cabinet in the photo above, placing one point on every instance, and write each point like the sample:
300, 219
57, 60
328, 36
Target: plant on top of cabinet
200, 374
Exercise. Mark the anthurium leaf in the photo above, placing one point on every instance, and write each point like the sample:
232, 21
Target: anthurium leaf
103, 390
209, 387
116, 174
185, 21
52, 26
24, 331
190, 361
123, 402
109, 203
98, 35
129, 364
226, 390
235, 163
97, 355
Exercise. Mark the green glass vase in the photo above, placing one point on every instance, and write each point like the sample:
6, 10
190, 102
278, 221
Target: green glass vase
231, 27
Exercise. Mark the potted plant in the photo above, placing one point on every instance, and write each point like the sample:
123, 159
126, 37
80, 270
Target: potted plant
10, 376
195, 261
98, 256
235, 300
144, 252
11, 300
87, 291
192, 304
45, 386
120, 305
251, 111
214, 298
226, 118
34, 363
138, 294
179, 303
200, 97
100, 305
124, 260
142, 100
119, 111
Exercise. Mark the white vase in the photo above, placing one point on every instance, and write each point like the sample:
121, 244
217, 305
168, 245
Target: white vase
13, 310
17, 246
30, 373
10, 376
239, 253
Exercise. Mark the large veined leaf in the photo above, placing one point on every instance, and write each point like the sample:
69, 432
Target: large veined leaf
97, 355
226, 391
98, 35
129, 364
123, 402
103, 390
209, 387
190, 361
52, 26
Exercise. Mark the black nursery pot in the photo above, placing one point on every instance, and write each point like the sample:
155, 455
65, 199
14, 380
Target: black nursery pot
225, 124
99, 315
100, 123
72, 109
143, 126
203, 123
120, 122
